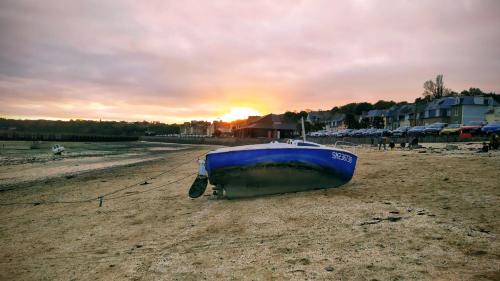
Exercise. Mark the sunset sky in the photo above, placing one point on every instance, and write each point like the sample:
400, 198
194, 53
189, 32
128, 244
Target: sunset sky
174, 61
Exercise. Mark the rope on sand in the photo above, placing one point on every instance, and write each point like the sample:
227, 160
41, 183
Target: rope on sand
100, 198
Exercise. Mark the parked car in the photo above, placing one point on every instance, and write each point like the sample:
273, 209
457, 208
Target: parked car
336, 134
416, 131
369, 132
401, 131
434, 128
380, 132
357, 133
343, 133
352, 133
491, 128
452, 129
315, 134
472, 127
386, 132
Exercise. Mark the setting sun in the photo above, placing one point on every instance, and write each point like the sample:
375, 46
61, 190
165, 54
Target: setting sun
236, 113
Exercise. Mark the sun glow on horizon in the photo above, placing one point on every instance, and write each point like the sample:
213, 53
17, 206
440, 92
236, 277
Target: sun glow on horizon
238, 113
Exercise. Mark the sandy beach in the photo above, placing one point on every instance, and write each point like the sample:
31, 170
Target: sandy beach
429, 214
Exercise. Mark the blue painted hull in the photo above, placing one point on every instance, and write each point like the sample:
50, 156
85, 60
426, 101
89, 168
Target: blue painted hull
253, 172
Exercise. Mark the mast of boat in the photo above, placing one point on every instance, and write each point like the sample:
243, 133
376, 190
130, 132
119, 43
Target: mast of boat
303, 129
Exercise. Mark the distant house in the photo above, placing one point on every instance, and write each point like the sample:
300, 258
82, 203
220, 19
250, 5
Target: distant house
400, 115
406, 115
392, 117
221, 129
438, 110
237, 124
374, 118
336, 122
319, 117
270, 126
493, 115
470, 108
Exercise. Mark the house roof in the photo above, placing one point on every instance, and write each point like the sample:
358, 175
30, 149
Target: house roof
474, 100
337, 117
392, 111
273, 122
407, 108
319, 115
442, 103
375, 113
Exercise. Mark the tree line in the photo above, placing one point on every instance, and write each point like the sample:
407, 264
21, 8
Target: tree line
88, 127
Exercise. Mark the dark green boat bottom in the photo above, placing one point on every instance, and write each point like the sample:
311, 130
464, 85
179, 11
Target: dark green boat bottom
270, 179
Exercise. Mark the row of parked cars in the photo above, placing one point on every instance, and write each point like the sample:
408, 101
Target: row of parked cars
473, 128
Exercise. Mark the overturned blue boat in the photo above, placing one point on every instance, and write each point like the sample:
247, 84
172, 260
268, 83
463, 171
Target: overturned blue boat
263, 169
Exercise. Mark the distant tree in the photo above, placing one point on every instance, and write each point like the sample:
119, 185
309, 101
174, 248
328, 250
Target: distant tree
382, 104
363, 107
290, 116
439, 86
423, 100
352, 111
429, 89
352, 122
335, 110
476, 92
88, 127
349, 108
435, 90
303, 114
294, 116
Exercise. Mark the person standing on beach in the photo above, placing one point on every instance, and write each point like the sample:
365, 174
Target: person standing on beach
382, 141
494, 141
414, 143
392, 144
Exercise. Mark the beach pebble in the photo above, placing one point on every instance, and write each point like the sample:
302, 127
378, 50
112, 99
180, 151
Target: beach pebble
393, 219
329, 268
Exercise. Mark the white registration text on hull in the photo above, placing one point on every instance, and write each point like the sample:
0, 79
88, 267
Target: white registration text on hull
341, 156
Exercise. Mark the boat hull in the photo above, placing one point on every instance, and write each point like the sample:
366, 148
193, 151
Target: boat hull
254, 172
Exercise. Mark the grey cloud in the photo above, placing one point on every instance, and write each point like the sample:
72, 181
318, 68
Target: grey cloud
178, 54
